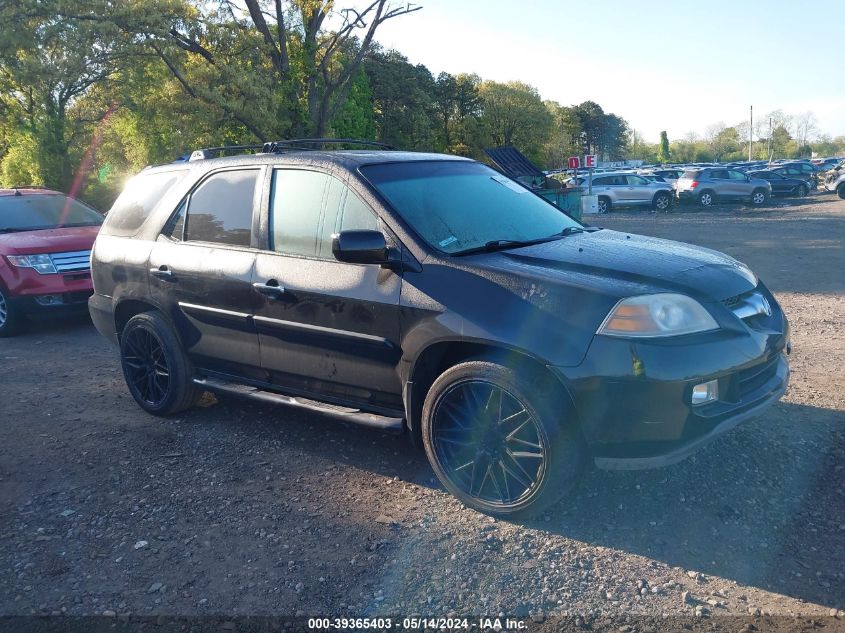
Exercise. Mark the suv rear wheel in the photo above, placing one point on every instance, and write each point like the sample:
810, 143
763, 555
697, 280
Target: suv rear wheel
498, 444
706, 198
604, 204
9, 318
157, 371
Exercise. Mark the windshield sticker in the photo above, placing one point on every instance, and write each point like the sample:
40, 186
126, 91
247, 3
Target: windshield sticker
510, 184
447, 241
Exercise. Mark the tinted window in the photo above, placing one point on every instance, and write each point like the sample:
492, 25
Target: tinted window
457, 205
44, 211
308, 207
220, 209
692, 175
604, 180
296, 206
138, 199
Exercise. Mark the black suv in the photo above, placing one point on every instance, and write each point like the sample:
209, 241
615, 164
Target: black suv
429, 293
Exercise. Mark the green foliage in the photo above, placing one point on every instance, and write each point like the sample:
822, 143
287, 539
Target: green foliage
514, 114
356, 118
664, 153
18, 167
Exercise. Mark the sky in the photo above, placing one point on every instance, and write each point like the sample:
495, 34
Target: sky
678, 66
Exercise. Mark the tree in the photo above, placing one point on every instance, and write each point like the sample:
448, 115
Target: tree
514, 114
403, 100
46, 64
663, 153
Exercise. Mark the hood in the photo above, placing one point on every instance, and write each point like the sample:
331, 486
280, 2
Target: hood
623, 263
61, 240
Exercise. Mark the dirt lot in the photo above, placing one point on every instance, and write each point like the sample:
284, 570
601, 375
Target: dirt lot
235, 508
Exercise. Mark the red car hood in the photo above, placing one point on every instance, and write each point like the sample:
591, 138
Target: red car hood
48, 241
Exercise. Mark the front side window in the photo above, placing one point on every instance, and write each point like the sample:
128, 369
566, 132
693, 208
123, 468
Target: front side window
308, 207
220, 209
636, 180
736, 175
458, 205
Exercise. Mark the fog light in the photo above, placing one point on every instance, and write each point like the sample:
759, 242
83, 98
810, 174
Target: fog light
705, 392
49, 300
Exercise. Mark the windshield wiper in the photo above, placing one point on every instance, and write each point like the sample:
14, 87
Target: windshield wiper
497, 245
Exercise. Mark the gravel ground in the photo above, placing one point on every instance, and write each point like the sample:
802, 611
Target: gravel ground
240, 509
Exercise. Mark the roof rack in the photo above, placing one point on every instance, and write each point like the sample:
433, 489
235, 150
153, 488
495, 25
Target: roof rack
318, 143
211, 152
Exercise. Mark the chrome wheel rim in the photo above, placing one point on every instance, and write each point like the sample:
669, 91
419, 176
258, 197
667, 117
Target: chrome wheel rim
759, 198
4, 310
662, 203
145, 364
487, 444
706, 199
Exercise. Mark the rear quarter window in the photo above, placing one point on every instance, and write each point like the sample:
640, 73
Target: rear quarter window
138, 199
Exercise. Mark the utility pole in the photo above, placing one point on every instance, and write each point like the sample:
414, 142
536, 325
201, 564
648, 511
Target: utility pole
751, 134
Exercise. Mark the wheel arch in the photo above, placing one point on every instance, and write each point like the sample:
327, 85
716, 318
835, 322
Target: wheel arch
128, 308
439, 356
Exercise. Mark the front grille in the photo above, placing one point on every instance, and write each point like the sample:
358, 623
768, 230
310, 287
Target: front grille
70, 261
753, 378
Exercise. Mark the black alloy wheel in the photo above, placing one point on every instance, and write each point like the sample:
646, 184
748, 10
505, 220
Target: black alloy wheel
504, 442
145, 365
487, 443
157, 370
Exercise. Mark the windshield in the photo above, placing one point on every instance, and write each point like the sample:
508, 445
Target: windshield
456, 205
33, 212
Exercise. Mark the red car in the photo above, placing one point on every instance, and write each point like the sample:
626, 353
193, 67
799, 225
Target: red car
45, 248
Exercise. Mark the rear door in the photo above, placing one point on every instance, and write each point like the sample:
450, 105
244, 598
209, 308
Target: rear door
201, 271
325, 326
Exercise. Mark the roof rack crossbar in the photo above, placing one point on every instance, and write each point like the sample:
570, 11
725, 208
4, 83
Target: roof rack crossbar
317, 143
210, 152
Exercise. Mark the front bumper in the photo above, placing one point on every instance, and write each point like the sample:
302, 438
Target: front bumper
634, 398
767, 395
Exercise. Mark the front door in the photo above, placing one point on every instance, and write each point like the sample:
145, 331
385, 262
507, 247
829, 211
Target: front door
201, 270
324, 326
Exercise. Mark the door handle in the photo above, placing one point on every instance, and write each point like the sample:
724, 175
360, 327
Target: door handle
271, 289
162, 272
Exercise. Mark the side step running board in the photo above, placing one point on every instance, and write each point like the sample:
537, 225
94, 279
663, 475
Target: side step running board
355, 416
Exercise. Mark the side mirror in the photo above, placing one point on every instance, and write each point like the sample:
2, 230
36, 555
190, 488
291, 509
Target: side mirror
360, 247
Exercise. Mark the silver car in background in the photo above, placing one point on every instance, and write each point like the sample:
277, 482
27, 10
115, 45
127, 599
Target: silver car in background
625, 189
711, 184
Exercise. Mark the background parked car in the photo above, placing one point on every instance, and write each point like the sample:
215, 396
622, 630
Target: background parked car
45, 248
626, 189
706, 186
805, 171
836, 182
782, 185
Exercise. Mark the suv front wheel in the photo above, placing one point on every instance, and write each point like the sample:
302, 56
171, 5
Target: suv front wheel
9, 320
497, 443
662, 202
759, 197
157, 371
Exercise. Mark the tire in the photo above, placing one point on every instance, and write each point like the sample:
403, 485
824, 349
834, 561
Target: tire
524, 448
604, 204
759, 198
840, 191
706, 198
803, 191
157, 371
662, 202
10, 317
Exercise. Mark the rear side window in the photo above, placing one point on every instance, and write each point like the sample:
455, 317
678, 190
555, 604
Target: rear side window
220, 209
691, 175
138, 199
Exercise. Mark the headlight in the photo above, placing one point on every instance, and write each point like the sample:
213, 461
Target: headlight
40, 263
663, 314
